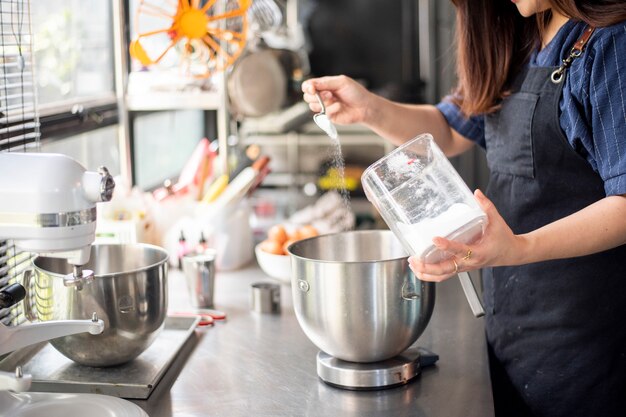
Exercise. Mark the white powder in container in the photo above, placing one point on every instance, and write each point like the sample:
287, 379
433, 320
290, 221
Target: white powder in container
459, 222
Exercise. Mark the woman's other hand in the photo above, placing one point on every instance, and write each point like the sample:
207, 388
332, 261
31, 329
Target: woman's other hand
346, 101
499, 246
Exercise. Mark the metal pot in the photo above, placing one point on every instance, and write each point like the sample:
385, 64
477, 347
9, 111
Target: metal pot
129, 293
355, 296
264, 80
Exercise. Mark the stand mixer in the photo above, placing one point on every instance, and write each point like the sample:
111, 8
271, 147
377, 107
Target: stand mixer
49, 207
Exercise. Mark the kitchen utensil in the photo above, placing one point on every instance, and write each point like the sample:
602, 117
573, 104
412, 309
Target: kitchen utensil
322, 120
197, 168
265, 81
217, 187
200, 276
266, 298
420, 195
204, 320
129, 293
355, 297
257, 84
239, 186
265, 15
206, 316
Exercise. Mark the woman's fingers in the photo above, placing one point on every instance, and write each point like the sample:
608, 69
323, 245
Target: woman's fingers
488, 207
328, 83
450, 246
330, 102
434, 272
313, 87
312, 98
496, 247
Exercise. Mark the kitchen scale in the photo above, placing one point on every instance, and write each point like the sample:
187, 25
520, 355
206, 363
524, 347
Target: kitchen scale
389, 373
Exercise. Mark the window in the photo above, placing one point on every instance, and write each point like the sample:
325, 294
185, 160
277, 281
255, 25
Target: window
92, 149
73, 44
74, 67
74, 73
68, 96
169, 139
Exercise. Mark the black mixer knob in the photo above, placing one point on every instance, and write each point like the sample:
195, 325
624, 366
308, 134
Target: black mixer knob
12, 295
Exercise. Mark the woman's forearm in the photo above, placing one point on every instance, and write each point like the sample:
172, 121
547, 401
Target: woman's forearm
401, 122
598, 227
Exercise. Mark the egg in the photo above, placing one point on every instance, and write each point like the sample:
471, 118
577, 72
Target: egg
278, 234
295, 235
271, 246
307, 231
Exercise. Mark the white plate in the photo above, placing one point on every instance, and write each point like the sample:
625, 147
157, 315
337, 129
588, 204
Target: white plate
37, 404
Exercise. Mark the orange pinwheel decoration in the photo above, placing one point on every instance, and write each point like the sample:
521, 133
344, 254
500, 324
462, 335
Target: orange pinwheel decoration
209, 35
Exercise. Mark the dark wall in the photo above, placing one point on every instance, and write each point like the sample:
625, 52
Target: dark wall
374, 41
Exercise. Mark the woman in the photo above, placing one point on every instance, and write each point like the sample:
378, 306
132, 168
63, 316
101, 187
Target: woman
553, 122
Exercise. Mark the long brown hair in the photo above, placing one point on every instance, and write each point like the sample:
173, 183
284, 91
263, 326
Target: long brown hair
494, 42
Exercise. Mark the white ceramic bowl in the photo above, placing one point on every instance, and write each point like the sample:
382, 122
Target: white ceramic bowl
275, 266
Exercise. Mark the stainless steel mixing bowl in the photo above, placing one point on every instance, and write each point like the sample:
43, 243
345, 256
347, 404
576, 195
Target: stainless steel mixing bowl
129, 293
355, 296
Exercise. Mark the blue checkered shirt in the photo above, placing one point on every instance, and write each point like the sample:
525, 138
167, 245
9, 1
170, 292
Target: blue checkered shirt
593, 103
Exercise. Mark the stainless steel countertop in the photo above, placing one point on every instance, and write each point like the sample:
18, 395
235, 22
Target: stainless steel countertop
263, 365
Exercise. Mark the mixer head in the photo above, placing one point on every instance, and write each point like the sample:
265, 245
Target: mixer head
49, 204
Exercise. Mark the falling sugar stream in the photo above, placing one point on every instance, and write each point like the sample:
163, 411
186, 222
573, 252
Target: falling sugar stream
340, 165
338, 177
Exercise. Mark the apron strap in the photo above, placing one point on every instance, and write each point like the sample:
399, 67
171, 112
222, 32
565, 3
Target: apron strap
577, 50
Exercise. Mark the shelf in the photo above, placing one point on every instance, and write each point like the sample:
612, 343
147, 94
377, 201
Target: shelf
285, 179
163, 90
316, 138
173, 101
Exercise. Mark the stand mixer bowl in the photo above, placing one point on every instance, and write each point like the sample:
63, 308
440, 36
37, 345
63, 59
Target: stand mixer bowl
356, 298
129, 293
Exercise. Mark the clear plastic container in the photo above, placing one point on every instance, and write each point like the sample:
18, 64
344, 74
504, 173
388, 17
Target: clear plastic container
420, 195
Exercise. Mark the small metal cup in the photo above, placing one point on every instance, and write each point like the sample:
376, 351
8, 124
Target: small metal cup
199, 272
266, 297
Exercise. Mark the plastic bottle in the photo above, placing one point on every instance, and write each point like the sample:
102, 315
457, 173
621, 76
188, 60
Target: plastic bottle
183, 249
202, 244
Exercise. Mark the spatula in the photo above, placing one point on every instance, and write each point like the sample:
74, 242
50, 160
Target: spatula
322, 120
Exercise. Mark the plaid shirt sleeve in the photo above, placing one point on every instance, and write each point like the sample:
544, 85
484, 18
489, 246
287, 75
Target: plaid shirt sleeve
472, 128
602, 91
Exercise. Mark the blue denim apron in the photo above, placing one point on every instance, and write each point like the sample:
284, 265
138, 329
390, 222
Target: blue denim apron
556, 330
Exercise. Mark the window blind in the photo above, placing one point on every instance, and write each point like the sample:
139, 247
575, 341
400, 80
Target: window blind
19, 121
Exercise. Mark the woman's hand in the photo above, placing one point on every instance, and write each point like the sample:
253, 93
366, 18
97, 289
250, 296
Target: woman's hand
346, 100
499, 246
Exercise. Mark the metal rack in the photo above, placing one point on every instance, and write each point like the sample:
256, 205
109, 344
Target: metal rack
292, 146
